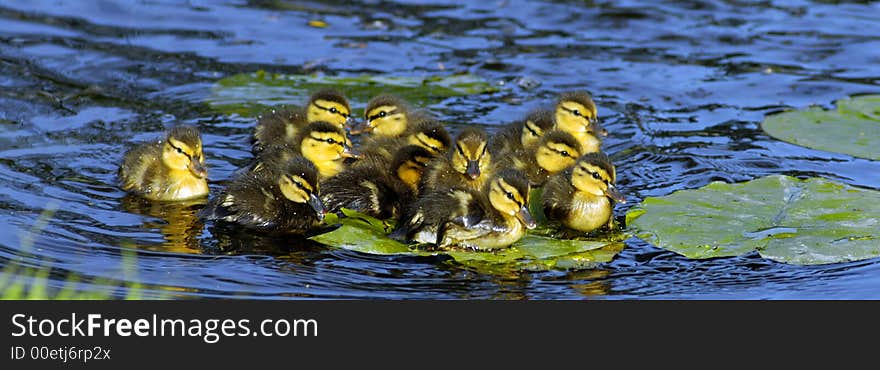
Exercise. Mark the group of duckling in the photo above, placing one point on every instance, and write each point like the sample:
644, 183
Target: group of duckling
470, 192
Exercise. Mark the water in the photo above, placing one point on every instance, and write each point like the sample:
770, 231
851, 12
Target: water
681, 86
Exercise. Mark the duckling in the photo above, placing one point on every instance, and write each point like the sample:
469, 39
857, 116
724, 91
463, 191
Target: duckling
283, 199
387, 116
494, 218
376, 189
555, 151
467, 164
324, 144
522, 134
581, 196
169, 169
283, 124
425, 132
576, 114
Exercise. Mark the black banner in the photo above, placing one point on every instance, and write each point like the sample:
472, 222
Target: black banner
110, 334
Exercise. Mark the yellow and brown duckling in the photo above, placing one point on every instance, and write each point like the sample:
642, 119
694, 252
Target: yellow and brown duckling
493, 218
387, 116
467, 164
555, 151
172, 168
324, 144
576, 114
376, 189
425, 132
522, 134
582, 197
282, 199
283, 124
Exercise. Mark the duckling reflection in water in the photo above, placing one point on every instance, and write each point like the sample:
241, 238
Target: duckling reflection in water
177, 221
169, 169
582, 197
494, 218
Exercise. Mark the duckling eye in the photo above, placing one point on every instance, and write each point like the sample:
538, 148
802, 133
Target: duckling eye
565, 153
334, 110
331, 141
596, 176
509, 195
382, 114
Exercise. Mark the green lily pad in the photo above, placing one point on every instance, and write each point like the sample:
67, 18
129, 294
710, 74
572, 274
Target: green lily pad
252, 93
804, 222
854, 128
533, 252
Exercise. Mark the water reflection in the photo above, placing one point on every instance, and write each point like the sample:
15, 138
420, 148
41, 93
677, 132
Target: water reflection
176, 221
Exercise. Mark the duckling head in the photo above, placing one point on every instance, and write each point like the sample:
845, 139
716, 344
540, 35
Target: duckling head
409, 164
385, 115
329, 106
182, 151
431, 135
324, 144
556, 151
298, 182
509, 194
595, 174
576, 114
537, 123
470, 156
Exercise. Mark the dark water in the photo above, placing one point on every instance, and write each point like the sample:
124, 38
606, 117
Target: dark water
681, 86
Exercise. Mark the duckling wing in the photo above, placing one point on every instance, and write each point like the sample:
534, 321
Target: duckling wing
138, 164
558, 195
246, 201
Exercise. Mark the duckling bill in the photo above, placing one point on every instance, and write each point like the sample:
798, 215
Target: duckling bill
169, 169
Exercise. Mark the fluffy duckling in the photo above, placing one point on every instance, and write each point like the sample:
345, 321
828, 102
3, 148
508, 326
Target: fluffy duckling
283, 199
172, 168
576, 114
375, 189
554, 152
387, 116
467, 163
425, 132
522, 134
324, 144
581, 196
494, 218
283, 124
